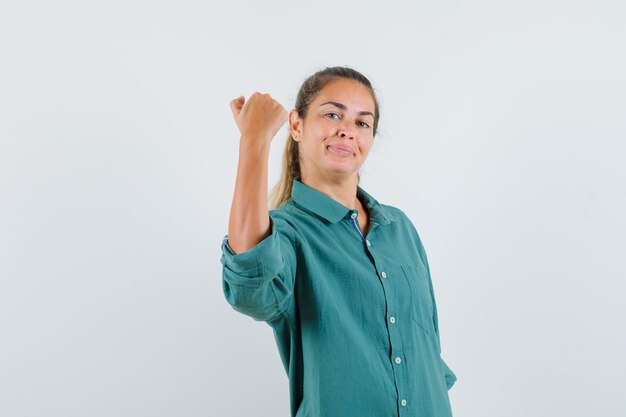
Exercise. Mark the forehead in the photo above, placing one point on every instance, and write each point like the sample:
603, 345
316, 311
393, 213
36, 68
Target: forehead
351, 93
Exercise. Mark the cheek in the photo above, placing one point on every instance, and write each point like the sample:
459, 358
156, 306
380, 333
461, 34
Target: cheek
365, 146
324, 134
327, 127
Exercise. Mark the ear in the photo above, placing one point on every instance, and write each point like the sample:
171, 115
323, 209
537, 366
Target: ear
295, 125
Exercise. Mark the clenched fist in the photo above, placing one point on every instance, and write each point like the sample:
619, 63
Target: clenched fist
259, 118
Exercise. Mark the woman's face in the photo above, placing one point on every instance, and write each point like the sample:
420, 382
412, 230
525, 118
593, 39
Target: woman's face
337, 132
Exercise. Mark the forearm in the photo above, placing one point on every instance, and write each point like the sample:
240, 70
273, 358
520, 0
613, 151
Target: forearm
249, 221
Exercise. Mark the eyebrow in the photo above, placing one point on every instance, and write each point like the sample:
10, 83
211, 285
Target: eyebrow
343, 107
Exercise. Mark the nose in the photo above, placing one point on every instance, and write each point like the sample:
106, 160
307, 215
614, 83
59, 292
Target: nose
345, 132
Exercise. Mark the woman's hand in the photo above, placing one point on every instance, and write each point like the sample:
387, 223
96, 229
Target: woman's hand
259, 118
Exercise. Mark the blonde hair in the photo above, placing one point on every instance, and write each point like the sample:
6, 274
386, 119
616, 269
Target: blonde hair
281, 192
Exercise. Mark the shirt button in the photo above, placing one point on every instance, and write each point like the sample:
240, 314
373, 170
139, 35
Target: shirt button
403, 402
368, 243
353, 215
392, 319
398, 360
383, 274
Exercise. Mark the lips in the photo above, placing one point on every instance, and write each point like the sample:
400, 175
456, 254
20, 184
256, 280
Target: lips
341, 149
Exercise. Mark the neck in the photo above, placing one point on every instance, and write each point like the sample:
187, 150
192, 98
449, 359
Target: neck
342, 190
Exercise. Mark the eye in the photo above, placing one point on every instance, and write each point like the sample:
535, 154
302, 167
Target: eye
362, 124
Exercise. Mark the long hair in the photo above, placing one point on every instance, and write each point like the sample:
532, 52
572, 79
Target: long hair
307, 93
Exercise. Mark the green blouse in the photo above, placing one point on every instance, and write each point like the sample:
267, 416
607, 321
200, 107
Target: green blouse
354, 316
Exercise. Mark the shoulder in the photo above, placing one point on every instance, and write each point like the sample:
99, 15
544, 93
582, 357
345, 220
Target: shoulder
403, 222
285, 220
397, 215
394, 212
283, 213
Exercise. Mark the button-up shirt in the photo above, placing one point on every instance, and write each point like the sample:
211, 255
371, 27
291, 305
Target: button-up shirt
353, 315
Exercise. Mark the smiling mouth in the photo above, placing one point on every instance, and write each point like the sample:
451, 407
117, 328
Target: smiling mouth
338, 151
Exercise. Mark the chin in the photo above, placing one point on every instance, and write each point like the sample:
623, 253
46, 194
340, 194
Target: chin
345, 169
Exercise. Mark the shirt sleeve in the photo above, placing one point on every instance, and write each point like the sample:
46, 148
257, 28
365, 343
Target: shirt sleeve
450, 376
259, 282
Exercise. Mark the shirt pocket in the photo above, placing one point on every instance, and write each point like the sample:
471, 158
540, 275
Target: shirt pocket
421, 303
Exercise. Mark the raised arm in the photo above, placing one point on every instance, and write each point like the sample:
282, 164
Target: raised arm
259, 255
258, 120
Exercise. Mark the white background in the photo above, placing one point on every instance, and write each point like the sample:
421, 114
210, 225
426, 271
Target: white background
502, 136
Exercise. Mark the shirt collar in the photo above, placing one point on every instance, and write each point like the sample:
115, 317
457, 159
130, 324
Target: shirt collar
330, 209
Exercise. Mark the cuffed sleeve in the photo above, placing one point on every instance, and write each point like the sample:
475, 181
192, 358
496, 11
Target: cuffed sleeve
449, 375
259, 282
447, 372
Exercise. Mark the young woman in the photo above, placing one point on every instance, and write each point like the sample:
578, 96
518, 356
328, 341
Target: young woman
342, 279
